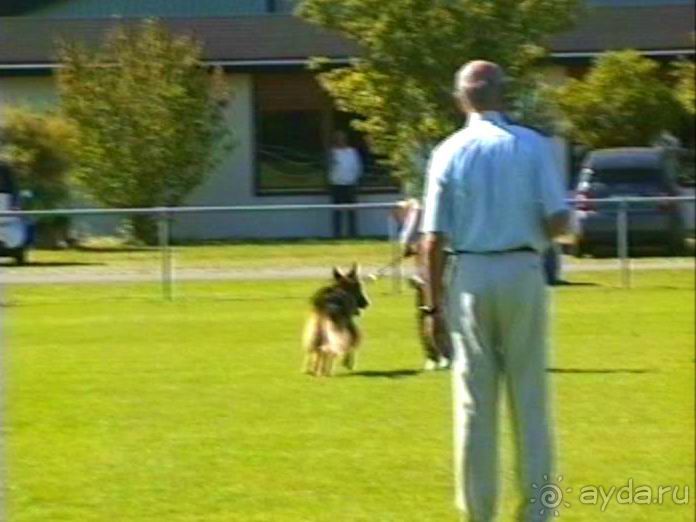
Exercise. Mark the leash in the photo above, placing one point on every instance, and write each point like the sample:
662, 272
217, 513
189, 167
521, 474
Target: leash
380, 273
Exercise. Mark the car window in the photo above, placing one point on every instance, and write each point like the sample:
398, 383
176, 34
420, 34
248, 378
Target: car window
686, 169
627, 177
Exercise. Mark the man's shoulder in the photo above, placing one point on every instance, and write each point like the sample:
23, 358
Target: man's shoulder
528, 131
452, 143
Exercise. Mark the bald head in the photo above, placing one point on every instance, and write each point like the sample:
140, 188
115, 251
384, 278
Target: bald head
479, 85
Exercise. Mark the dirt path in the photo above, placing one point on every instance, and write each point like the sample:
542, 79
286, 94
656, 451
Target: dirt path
71, 275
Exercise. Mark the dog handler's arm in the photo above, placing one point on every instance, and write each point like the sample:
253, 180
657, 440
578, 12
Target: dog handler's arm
558, 224
434, 261
552, 193
436, 226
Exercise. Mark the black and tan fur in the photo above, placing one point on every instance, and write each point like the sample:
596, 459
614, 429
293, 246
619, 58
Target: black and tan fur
331, 331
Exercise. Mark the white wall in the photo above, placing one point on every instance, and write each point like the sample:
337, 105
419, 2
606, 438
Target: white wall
36, 92
231, 184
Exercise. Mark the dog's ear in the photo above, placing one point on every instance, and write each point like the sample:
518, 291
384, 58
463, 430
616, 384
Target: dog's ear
337, 274
354, 270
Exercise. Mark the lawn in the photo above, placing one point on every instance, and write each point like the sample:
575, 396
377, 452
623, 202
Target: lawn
266, 254
111, 255
122, 407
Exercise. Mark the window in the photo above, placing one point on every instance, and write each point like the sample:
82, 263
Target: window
294, 122
290, 151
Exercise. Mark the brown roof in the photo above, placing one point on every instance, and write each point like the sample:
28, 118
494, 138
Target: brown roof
244, 38
647, 28
30, 41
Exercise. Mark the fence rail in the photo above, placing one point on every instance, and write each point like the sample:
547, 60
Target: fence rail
164, 216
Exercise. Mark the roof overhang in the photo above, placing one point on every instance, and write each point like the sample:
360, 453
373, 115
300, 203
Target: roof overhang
225, 64
669, 53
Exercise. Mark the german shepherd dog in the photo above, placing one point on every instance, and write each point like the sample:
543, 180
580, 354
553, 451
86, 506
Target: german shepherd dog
331, 331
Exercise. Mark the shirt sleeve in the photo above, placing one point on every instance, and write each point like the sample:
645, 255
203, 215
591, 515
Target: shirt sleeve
437, 208
409, 231
551, 180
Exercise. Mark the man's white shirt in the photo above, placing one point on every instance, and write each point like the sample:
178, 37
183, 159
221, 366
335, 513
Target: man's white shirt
346, 166
491, 185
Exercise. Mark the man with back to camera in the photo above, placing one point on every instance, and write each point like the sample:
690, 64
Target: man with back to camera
495, 196
345, 171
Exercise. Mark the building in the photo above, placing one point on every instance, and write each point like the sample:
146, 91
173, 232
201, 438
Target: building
264, 51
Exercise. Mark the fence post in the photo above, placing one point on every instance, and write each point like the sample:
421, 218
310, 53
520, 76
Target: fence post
622, 243
396, 267
164, 230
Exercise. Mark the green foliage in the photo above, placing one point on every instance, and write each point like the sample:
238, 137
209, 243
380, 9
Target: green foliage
623, 101
148, 116
401, 86
685, 75
38, 145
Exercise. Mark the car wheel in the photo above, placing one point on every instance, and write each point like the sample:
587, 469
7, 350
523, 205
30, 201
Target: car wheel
580, 249
677, 240
20, 256
676, 245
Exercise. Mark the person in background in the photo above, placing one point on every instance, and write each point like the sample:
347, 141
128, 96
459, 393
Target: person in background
408, 215
345, 171
552, 265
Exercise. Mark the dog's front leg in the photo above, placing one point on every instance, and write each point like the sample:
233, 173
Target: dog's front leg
318, 366
309, 363
328, 367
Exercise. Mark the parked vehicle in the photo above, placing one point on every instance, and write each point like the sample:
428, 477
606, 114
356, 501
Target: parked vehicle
686, 181
630, 172
15, 233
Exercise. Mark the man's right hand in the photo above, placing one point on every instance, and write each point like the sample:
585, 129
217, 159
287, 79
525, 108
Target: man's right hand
435, 328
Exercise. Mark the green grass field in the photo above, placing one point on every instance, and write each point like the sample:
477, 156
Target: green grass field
113, 255
122, 407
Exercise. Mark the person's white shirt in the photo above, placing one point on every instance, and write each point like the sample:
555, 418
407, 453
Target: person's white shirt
491, 185
346, 166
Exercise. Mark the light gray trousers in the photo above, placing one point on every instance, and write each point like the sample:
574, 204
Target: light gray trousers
497, 316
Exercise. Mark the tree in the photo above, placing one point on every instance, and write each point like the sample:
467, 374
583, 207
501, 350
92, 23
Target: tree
685, 74
400, 87
623, 101
148, 118
685, 80
38, 145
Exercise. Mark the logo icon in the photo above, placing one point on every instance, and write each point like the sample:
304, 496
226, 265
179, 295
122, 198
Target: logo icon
549, 496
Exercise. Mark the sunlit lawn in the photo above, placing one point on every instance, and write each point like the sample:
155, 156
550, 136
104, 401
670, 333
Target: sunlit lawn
122, 407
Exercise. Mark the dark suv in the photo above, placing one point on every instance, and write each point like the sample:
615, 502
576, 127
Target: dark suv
629, 172
15, 233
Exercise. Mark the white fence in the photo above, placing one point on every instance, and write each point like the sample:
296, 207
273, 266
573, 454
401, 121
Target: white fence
164, 216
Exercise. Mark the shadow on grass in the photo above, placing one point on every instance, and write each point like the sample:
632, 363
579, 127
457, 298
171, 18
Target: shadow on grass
56, 264
115, 249
384, 374
575, 283
600, 371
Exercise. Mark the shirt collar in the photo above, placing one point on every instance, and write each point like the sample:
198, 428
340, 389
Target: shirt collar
491, 116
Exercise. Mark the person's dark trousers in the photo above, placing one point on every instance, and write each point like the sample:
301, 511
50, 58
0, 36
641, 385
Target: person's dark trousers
551, 267
344, 195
